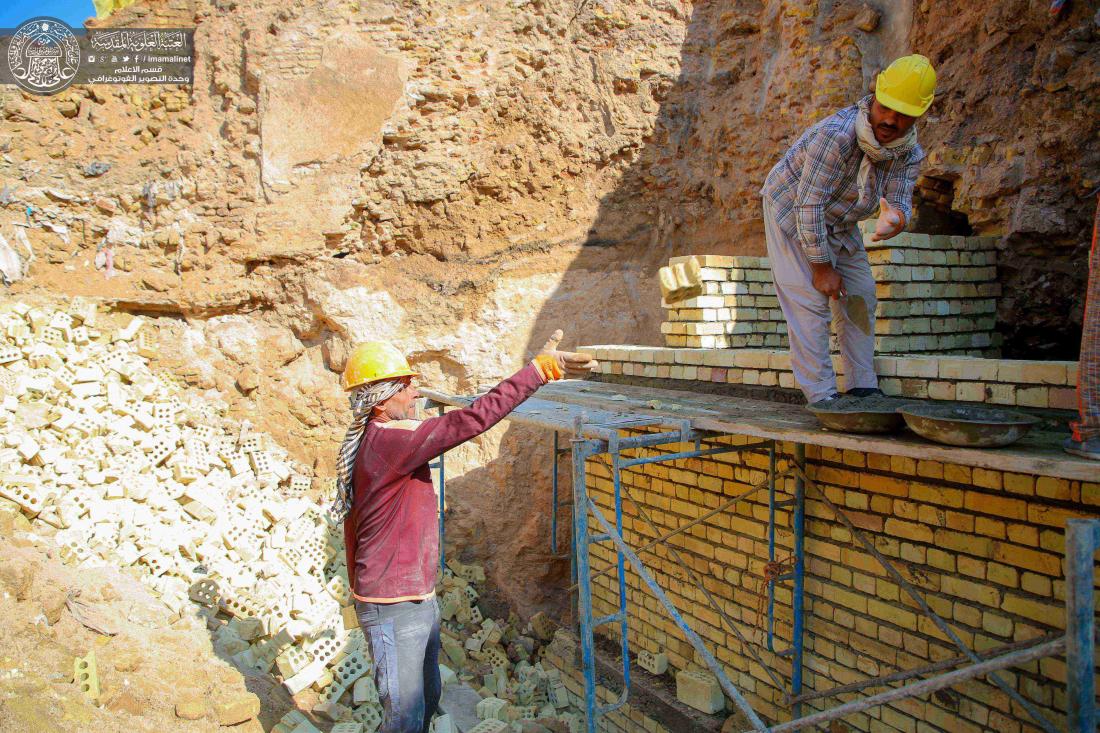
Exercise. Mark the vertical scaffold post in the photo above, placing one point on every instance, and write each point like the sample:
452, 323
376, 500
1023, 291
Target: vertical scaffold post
621, 616
554, 498
771, 544
582, 449
442, 501
1082, 541
798, 529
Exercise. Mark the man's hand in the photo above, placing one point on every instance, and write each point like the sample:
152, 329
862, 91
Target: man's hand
569, 364
827, 280
890, 221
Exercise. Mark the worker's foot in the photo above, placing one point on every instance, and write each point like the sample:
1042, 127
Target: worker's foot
1089, 448
825, 403
864, 392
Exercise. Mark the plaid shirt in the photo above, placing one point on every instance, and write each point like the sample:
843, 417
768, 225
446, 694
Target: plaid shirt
814, 189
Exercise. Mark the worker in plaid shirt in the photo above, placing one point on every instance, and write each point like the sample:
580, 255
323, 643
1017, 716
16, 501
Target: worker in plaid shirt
1085, 438
839, 171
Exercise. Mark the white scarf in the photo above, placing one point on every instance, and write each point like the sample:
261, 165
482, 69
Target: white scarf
873, 152
361, 401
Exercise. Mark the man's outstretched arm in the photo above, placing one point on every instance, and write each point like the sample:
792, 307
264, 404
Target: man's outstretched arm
437, 435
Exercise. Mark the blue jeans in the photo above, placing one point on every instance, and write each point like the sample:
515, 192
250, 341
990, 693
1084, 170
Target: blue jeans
404, 644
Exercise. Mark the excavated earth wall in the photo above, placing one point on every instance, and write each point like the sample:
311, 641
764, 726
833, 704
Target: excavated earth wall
463, 177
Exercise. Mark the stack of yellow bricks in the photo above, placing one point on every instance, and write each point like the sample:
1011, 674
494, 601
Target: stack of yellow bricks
936, 294
983, 547
737, 309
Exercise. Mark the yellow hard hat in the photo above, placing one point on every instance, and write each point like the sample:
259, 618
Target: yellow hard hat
907, 85
372, 361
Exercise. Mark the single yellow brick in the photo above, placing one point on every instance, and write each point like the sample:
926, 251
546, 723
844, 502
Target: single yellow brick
1038, 584
970, 392
960, 521
1090, 493
1053, 541
878, 462
880, 504
996, 505
909, 530
903, 464
1019, 483
987, 479
1023, 534
1002, 574
1000, 394
905, 509
884, 484
1049, 487
1033, 396
854, 500
855, 458
958, 474
930, 469
990, 527
941, 390
941, 560
1021, 557
1044, 373
887, 591
1044, 613
962, 542
937, 495
967, 614
971, 566
1051, 515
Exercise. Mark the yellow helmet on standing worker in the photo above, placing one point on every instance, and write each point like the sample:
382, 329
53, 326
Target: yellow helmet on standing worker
907, 85
373, 361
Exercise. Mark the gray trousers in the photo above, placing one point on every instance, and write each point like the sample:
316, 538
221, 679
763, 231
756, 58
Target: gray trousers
404, 645
809, 312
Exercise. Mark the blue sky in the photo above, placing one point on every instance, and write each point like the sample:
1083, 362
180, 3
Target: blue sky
73, 12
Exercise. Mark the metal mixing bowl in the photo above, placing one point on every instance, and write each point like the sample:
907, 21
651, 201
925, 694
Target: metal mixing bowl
967, 426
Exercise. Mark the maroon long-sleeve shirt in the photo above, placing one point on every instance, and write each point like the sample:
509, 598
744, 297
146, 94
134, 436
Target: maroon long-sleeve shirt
392, 533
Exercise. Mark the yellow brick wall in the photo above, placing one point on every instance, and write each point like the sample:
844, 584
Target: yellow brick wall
984, 547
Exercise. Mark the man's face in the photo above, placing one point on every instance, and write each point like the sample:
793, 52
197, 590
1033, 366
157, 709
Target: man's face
402, 406
887, 124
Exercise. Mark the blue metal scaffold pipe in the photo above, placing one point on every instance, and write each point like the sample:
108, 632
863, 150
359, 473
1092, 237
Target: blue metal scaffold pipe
583, 449
798, 527
1082, 542
554, 497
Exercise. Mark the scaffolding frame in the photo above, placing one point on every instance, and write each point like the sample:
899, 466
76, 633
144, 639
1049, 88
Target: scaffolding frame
592, 439
1082, 542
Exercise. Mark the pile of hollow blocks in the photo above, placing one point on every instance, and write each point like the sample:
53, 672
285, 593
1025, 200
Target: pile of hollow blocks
936, 294
126, 469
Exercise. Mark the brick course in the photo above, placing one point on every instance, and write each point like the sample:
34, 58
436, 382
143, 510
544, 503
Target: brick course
1042, 384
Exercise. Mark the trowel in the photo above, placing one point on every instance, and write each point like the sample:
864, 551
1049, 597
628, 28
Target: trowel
856, 308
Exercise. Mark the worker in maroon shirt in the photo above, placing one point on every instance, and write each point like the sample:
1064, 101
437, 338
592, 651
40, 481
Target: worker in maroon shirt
386, 499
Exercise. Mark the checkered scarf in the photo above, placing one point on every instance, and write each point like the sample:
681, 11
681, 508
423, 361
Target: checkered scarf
362, 401
873, 152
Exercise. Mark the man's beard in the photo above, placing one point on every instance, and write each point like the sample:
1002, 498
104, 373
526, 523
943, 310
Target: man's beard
887, 131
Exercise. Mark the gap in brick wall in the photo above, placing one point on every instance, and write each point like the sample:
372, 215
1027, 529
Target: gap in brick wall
933, 208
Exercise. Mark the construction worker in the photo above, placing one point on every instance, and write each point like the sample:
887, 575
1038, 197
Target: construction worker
1084, 439
386, 501
837, 173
